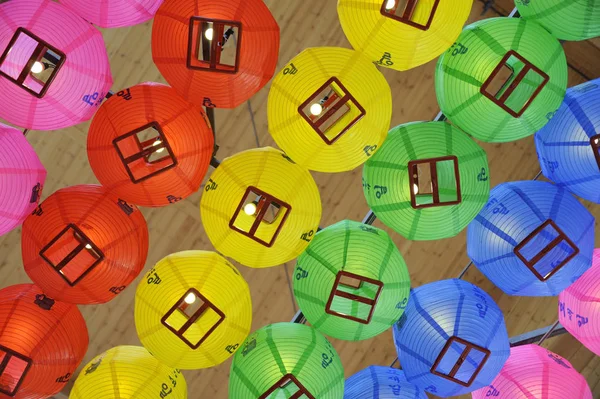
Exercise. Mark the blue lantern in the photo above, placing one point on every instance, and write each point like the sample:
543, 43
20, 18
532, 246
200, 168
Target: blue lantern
452, 338
532, 238
379, 382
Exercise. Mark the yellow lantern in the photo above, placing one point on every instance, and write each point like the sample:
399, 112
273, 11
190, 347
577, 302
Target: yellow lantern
193, 310
260, 208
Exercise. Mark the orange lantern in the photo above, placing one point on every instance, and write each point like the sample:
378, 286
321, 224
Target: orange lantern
42, 342
83, 245
216, 53
150, 146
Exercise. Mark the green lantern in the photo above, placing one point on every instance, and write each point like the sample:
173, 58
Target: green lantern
286, 360
351, 282
427, 181
502, 80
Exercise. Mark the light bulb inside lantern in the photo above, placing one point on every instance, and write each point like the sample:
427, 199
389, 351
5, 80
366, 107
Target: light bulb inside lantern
209, 33
390, 4
37, 67
250, 208
190, 298
415, 189
316, 109
88, 246
158, 142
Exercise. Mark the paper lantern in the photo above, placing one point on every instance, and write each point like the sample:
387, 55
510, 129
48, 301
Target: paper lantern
532, 238
535, 372
425, 175
286, 360
452, 338
260, 208
22, 178
572, 20
54, 69
421, 30
216, 53
511, 71
114, 13
569, 145
351, 282
323, 115
379, 382
83, 245
128, 372
193, 310
42, 342
149, 146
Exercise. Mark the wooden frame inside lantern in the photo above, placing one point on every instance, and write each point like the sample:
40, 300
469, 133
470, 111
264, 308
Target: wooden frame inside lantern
425, 186
457, 360
285, 382
349, 288
12, 363
404, 11
206, 44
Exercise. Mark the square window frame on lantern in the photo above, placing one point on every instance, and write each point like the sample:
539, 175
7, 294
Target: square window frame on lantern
560, 237
285, 381
335, 291
42, 47
461, 359
595, 143
83, 241
434, 181
406, 16
193, 61
4, 362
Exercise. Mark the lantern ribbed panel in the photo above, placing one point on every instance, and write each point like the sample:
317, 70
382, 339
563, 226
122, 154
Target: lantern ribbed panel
272, 172
444, 309
513, 213
79, 85
362, 250
460, 77
52, 334
118, 230
279, 349
565, 19
167, 283
564, 145
184, 127
114, 13
313, 68
379, 382
128, 372
258, 50
387, 188
369, 31
534, 372
22, 178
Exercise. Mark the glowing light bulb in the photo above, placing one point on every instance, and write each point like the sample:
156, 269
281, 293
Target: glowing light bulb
316, 109
415, 189
158, 142
597, 140
37, 67
250, 209
390, 4
190, 298
88, 246
209, 33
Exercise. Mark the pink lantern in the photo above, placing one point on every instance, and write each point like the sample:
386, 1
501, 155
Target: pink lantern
533, 372
579, 307
22, 177
54, 69
114, 13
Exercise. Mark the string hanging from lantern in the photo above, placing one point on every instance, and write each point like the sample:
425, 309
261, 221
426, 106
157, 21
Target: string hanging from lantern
378, 382
114, 13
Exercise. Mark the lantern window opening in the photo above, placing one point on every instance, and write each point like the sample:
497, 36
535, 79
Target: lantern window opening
72, 254
595, 143
13, 369
416, 13
260, 216
353, 297
434, 182
30, 62
193, 318
288, 387
460, 361
214, 45
331, 111
514, 84
546, 250
145, 152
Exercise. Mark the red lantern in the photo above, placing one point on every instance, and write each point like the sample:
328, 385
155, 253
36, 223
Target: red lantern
83, 245
42, 342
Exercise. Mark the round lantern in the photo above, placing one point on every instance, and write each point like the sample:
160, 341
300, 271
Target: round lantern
506, 82
260, 208
379, 382
323, 115
425, 175
128, 372
534, 372
42, 342
22, 178
285, 360
572, 20
114, 13
532, 238
351, 282
149, 146
421, 31
54, 69
216, 53
83, 245
193, 310
452, 338
569, 145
